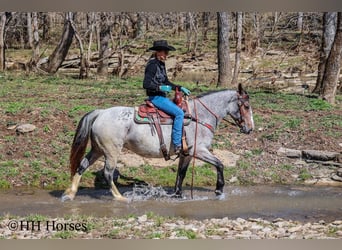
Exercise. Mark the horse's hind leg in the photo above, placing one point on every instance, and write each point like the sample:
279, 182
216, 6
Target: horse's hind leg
87, 161
183, 165
110, 165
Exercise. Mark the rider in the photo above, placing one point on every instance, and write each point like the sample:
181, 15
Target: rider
157, 85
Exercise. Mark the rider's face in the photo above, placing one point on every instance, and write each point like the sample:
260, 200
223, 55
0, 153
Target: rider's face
162, 54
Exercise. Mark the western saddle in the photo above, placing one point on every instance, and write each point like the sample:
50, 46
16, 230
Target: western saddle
147, 113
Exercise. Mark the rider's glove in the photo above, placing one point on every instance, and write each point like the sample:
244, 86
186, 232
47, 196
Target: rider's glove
185, 91
165, 88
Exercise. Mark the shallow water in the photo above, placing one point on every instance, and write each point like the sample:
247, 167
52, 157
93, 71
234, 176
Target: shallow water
301, 203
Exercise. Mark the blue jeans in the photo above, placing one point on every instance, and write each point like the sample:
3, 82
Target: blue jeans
166, 105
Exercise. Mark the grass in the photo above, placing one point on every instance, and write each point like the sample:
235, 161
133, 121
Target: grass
55, 104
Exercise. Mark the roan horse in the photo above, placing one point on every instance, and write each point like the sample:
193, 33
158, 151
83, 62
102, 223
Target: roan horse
114, 128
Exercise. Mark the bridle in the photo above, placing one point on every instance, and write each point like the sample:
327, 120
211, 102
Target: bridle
242, 101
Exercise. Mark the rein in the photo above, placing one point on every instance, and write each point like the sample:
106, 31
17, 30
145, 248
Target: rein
195, 119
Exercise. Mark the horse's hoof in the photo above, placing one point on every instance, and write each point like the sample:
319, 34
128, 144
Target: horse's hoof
121, 198
66, 197
219, 195
176, 195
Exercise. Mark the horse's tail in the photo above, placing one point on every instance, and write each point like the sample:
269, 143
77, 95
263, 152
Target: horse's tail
81, 138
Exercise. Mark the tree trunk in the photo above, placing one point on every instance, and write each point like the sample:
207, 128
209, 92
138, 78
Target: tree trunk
2, 40
180, 23
83, 60
188, 20
35, 43
102, 67
205, 21
300, 21
46, 26
60, 52
223, 49
329, 30
238, 47
29, 30
256, 18
333, 65
139, 27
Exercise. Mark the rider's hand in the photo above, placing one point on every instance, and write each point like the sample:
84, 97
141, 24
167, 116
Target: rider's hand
185, 91
165, 88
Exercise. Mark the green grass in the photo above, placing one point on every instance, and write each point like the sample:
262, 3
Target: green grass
56, 103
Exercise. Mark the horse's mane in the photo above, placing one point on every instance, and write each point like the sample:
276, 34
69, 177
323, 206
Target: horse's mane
211, 92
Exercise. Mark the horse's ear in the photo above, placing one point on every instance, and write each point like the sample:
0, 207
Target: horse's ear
240, 89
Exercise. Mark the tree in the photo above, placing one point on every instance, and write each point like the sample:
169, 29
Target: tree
333, 65
238, 47
205, 24
223, 48
35, 42
300, 21
102, 68
329, 30
60, 52
3, 18
29, 30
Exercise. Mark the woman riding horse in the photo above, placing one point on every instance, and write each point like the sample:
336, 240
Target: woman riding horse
157, 85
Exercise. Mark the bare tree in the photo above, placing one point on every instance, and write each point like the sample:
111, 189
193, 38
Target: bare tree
333, 65
35, 42
257, 28
29, 30
329, 30
60, 52
3, 19
46, 25
300, 21
205, 25
83, 60
224, 73
102, 67
238, 47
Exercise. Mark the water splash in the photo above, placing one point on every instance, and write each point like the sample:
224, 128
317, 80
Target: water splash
146, 192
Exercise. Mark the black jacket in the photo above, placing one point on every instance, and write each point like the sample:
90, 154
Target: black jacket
155, 76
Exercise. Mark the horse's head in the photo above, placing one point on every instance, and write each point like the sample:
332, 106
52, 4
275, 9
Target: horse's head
241, 111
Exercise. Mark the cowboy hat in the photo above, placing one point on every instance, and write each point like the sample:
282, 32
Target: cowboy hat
161, 45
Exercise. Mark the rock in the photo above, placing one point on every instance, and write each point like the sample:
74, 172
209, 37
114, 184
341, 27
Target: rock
294, 229
291, 153
234, 179
142, 218
25, 128
336, 177
337, 222
319, 155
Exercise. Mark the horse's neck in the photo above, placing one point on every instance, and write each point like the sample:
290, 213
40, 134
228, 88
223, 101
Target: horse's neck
215, 103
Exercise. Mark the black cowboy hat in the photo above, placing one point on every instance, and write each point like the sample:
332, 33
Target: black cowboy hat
161, 45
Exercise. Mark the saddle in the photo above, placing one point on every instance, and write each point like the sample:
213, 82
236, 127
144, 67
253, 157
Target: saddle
147, 113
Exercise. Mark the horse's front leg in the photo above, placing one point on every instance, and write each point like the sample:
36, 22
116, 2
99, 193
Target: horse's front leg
183, 165
205, 155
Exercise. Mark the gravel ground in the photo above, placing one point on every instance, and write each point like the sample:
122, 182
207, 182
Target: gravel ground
150, 226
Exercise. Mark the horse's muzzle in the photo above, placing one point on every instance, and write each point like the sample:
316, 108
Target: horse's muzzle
246, 130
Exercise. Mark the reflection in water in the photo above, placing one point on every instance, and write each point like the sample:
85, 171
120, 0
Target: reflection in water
268, 202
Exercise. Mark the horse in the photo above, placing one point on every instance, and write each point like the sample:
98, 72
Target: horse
112, 129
